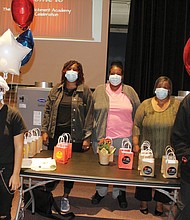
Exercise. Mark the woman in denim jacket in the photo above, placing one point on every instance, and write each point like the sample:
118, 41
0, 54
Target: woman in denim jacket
69, 109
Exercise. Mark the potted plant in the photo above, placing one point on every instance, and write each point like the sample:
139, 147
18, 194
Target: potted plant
105, 151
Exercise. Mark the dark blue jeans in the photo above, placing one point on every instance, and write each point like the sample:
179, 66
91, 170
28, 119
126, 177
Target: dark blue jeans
5, 196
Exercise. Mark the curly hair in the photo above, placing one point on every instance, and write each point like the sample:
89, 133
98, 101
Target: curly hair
67, 66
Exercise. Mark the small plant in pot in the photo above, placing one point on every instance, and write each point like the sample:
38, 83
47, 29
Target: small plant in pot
105, 151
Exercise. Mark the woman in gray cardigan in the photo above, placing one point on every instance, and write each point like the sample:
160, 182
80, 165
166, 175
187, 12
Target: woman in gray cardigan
115, 105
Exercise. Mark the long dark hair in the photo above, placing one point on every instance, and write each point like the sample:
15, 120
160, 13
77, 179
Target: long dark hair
67, 66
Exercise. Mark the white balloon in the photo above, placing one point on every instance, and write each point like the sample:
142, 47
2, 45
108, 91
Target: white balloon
11, 53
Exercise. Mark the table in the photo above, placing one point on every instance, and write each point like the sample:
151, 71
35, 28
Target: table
84, 167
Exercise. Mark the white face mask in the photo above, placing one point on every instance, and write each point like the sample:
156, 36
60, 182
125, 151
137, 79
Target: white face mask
115, 79
161, 93
1, 96
71, 75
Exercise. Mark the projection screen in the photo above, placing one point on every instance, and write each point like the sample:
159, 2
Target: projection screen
63, 30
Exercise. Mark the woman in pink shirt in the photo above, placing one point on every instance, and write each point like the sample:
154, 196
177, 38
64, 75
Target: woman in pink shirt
115, 105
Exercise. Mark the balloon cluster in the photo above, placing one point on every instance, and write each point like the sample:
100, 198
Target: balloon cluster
11, 54
15, 53
26, 39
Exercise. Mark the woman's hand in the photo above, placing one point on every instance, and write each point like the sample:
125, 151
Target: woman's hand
86, 144
45, 139
14, 182
136, 149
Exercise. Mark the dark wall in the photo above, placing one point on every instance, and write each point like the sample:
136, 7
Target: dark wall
116, 47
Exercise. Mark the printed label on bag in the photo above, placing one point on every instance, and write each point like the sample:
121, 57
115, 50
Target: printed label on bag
126, 160
147, 170
171, 171
59, 154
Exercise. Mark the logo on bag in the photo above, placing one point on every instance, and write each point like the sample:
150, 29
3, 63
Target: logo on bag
171, 171
59, 154
147, 170
126, 160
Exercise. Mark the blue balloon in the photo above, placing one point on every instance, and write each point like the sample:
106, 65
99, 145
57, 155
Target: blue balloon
26, 39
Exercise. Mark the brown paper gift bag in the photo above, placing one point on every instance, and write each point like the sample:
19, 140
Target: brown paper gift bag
26, 146
167, 150
171, 166
31, 140
145, 152
147, 167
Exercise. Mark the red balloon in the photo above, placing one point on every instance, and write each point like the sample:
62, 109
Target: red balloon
22, 12
186, 56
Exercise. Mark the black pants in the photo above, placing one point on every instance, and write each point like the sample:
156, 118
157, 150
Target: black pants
5, 196
145, 194
68, 185
183, 203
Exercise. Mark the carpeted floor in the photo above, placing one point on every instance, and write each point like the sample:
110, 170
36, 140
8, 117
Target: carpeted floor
80, 201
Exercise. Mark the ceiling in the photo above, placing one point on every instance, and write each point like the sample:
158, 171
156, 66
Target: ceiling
120, 14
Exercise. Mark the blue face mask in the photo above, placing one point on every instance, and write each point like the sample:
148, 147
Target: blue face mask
71, 75
161, 93
115, 79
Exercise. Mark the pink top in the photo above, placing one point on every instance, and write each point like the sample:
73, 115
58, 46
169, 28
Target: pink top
119, 122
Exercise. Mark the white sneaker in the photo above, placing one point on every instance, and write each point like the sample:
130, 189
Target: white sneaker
65, 205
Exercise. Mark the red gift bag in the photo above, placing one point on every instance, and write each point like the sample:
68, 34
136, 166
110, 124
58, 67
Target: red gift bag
67, 139
125, 158
60, 153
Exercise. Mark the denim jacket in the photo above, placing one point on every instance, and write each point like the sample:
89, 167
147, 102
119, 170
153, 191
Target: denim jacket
81, 112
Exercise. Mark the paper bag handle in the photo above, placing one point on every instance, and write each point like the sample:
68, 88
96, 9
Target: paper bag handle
171, 156
145, 145
38, 131
126, 143
168, 149
61, 139
67, 137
